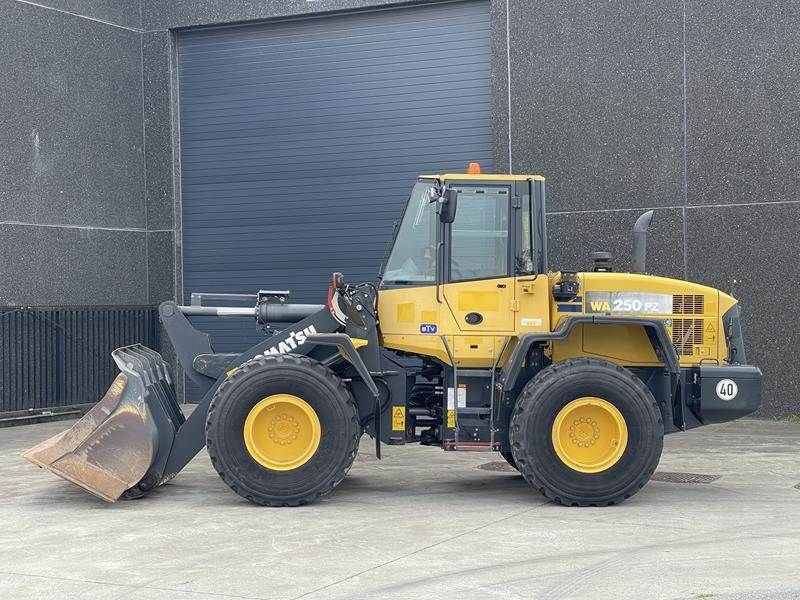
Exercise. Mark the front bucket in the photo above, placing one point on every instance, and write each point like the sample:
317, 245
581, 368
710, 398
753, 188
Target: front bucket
130, 430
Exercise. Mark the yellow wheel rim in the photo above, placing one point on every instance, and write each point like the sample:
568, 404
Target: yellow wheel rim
589, 435
282, 432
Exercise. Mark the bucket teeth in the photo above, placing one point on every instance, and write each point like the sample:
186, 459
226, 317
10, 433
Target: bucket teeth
114, 445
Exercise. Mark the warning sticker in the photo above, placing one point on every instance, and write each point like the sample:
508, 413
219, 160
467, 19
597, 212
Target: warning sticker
462, 397
451, 419
398, 418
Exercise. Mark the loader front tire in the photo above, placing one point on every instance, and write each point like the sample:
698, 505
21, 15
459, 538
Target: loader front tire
282, 430
586, 432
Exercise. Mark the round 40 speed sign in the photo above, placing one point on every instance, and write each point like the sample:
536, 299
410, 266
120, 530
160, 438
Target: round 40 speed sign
727, 389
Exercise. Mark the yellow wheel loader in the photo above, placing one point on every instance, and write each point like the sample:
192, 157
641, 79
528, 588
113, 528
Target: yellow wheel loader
468, 343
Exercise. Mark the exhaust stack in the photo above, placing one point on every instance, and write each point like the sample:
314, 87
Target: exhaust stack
640, 241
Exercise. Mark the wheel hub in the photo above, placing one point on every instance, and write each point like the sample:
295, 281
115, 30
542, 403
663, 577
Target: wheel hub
282, 432
584, 432
589, 434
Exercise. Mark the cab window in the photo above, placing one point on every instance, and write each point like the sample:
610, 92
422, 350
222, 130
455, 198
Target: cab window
524, 260
413, 257
479, 234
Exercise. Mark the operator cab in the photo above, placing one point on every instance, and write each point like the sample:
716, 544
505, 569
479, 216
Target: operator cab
465, 227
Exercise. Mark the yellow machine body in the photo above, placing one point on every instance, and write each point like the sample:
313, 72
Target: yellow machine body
514, 306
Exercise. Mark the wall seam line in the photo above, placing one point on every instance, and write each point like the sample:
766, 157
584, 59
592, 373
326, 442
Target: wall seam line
89, 227
80, 16
177, 210
508, 81
672, 207
177, 189
144, 175
685, 224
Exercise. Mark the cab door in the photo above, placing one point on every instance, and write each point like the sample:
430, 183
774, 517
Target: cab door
479, 285
532, 285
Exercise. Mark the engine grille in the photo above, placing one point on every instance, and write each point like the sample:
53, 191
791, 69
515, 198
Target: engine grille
688, 304
686, 334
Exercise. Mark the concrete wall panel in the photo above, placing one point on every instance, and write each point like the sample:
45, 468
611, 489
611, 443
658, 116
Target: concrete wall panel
69, 266
597, 103
71, 135
573, 236
743, 116
752, 253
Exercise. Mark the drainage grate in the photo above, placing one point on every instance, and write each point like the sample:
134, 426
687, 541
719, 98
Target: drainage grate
669, 477
500, 466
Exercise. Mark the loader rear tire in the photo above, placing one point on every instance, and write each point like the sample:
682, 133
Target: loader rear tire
325, 407
586, 432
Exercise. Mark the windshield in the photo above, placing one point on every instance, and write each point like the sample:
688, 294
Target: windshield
413, 257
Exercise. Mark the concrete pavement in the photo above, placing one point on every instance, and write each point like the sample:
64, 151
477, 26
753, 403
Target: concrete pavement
419, 524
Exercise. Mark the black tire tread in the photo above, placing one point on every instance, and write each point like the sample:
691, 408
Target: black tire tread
305, 362
542, 378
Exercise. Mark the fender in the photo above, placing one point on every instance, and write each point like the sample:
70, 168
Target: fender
656, 333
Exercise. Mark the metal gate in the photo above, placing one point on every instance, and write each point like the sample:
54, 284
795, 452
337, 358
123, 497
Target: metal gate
61, 356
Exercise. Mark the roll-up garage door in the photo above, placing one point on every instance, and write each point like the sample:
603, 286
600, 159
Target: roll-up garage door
301, 139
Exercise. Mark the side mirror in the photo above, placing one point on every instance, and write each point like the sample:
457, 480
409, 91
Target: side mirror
447, 206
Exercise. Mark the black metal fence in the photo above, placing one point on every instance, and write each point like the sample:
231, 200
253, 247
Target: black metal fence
61, 356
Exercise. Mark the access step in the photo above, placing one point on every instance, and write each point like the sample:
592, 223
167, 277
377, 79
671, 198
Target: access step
471, 446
